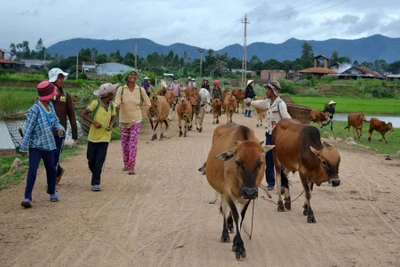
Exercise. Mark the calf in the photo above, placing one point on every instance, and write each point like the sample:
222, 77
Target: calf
184, 111
298, 147
319, 117
230, 107
356, 120
171, 99
239, 94
235, 169
261, 113
379, 126
157, 114
216, 107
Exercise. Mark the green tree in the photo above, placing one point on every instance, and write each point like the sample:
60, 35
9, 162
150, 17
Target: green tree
307, 56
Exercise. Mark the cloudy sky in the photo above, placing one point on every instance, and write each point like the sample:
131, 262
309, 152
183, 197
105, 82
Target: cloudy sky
207, 23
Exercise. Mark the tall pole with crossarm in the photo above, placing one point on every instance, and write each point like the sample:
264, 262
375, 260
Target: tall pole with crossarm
244, 62
201, 62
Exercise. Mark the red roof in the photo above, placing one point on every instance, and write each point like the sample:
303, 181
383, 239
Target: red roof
318, 71
4, 61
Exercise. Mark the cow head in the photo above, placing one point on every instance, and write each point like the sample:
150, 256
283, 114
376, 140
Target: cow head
249, 159
153, 109
329, 159
390, 126
231, 107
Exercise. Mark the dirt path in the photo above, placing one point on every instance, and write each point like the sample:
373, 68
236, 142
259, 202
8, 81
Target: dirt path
161, 216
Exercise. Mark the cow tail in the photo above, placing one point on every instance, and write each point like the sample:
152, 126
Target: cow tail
284, 179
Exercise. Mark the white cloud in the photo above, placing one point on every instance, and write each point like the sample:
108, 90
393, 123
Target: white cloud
208, 24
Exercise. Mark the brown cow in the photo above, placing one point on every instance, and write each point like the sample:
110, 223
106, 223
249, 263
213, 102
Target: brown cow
379, 126
171, 99
184, 110
319, 117
229, 107
239, 94
298, 147
356, 120
158, 114
235, 169
200, 117
261, 113
216, 107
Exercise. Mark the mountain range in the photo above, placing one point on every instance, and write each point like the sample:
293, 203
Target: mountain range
369, 49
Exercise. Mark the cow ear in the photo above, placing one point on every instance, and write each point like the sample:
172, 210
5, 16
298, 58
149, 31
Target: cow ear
268, 147
226, 155
326, 144
315, 151
261, 143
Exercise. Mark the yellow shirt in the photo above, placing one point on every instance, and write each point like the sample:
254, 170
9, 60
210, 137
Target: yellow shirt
129, 103
103, 116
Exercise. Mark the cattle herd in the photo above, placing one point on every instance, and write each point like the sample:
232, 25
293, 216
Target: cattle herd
236, 162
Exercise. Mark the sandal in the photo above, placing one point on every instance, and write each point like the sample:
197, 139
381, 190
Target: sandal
270, 187
53, 198
131, 172
125, 169
96, 188
26, 203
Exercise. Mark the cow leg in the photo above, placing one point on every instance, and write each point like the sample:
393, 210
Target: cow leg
170, 114
180, 127
230, 223
285, 186
186, 127
355, 133
243, 213
162, 132
360, 133
238, 244
225, 212
307, 205
370, 134
383, 137
278, 181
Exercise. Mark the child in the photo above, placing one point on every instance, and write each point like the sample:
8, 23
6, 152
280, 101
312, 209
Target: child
102, 121
41, 125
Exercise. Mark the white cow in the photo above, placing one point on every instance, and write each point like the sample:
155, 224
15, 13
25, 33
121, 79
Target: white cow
205, 98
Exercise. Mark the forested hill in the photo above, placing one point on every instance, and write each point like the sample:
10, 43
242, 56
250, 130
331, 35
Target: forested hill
367, 49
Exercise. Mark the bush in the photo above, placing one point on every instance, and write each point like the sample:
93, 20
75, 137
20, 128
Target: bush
287, 86
310, 92
328, 79
304, 82
382, 92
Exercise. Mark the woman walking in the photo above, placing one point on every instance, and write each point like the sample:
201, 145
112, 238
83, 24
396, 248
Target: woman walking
129, 100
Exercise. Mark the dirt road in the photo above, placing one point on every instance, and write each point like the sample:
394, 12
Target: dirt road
161, 215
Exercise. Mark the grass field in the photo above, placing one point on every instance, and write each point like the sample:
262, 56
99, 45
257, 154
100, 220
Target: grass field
347, 105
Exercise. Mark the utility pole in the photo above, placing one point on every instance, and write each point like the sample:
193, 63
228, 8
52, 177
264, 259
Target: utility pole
244, 62
136, 55
77, 59
201, 62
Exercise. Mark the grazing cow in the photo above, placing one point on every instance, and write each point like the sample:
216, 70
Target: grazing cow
319, 117
261, 113
184, 110
235, 169
158, 114
171, 99
379, 126
356, 120
230, 107
216, 107
239, 94
298, 147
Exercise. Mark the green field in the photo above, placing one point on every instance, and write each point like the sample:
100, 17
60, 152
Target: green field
347, 105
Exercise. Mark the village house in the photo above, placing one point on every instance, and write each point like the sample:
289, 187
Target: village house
7, 60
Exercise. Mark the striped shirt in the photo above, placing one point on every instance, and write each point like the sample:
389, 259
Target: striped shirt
39, 131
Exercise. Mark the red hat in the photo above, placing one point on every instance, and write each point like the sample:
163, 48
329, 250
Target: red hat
216, 83
46, 91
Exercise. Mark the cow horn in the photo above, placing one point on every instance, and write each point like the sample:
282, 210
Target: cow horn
238, 143
261, 143
268, 147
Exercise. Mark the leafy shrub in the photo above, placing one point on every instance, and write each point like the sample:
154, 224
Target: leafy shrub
310, 92
304, 82
328, 79
287, 86
382, 92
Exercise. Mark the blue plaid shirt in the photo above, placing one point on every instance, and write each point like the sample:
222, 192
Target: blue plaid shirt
39, 131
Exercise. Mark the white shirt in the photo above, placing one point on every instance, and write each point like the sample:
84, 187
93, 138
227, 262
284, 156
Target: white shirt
274, 114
